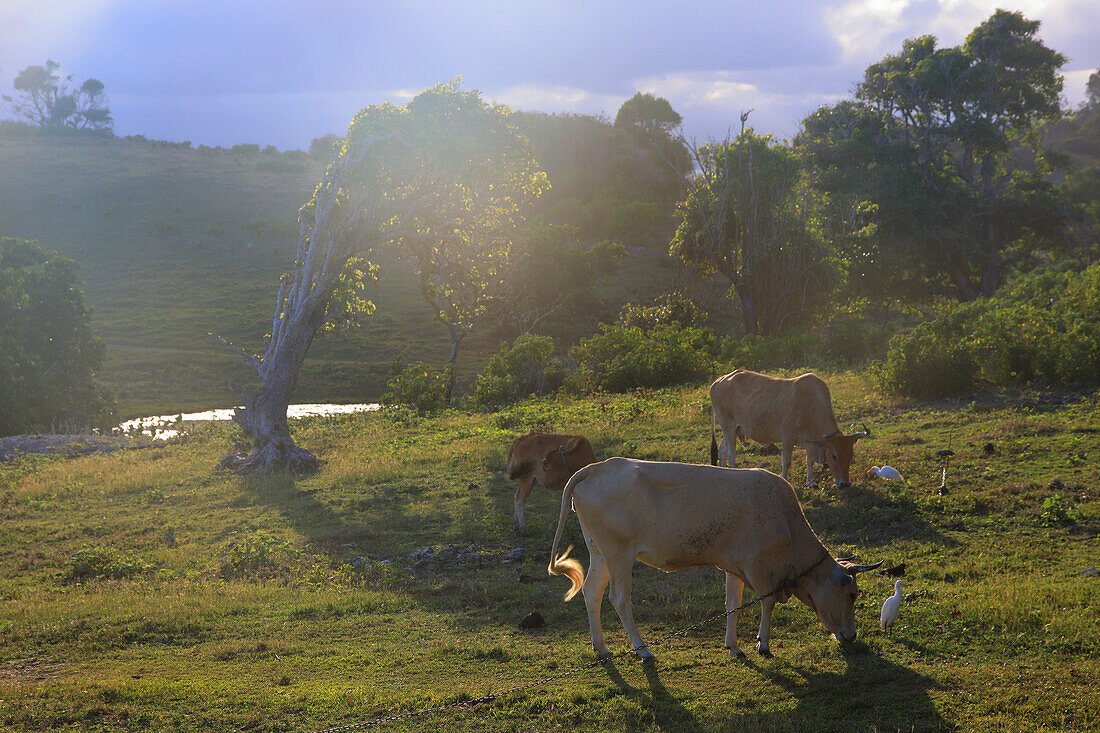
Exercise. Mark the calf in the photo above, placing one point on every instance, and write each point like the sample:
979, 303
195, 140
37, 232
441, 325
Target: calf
747, 523
547, 458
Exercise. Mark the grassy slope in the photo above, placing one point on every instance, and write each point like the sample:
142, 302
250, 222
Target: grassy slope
173, 244
235, 631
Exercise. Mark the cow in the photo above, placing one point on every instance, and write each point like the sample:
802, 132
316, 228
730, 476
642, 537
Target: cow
547, 458
797, 411
746, 522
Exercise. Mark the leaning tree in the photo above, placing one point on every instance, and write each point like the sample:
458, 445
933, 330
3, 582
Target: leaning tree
447, 165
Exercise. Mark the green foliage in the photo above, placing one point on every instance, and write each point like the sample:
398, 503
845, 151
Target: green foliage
257, 555
526, 367
673, 309
104, 563
846, 340
1044, 328
1058, 512
939, 149
621, 357
48, 355
418, 386
743, 220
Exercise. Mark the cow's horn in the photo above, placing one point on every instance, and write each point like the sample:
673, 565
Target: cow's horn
865, 434
846, 558
853, 569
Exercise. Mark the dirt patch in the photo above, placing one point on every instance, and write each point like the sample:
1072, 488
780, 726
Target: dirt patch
65, 445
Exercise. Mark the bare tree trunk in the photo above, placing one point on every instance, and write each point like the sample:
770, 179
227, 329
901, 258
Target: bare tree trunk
456, 339
327, 228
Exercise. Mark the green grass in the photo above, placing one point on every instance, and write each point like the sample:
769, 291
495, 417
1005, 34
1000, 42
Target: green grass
142, 591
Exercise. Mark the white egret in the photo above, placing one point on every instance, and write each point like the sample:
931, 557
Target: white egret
892, 607
887, 472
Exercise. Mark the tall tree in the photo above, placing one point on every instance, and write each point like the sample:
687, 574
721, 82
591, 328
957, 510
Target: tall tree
742, 220
941, 145
445, 168
46, 99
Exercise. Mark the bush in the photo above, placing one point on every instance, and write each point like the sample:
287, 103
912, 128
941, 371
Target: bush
104, 563
418, 386
48, 353
847, 340
1043, 329
527, 367
622, 357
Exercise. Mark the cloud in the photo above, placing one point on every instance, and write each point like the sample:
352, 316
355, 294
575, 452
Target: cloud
557, 99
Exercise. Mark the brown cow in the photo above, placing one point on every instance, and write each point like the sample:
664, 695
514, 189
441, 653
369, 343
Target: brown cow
548, 458
797, 411
747, 523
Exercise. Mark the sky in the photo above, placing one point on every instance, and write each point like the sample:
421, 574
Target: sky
278, 72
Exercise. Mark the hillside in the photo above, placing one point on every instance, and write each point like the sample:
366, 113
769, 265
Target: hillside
174, 243
143, 592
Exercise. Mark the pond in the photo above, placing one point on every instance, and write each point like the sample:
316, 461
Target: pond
163, 427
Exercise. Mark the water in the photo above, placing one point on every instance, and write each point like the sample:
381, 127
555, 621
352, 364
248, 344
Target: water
163, 427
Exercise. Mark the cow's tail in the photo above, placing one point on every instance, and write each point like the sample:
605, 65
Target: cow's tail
517, 469
713, 442
563, 564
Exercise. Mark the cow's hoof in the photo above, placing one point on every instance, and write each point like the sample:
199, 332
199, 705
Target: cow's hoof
645, 655
766, 653
603, 654
737, 653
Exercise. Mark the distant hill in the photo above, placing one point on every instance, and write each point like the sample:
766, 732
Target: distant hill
175, 242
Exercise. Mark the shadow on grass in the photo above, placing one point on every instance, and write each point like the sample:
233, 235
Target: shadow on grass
668, 713
326, 529
870, 518
873, 693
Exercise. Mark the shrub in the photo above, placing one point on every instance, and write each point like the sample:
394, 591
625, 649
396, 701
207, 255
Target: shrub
622, 357
847, 340
418, 386
104, 563
48, 353
1044, 328
527, 367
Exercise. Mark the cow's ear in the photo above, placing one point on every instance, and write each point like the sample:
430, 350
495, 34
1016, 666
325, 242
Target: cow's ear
571, 445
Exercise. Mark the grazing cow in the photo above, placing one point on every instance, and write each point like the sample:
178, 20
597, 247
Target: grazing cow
547, 458
792, 412
747, 523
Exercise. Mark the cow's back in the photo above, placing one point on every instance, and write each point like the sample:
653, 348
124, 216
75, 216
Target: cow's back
769, 409
681, 514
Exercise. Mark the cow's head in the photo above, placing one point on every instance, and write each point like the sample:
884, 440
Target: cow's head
836, 450
562, 461
831, 591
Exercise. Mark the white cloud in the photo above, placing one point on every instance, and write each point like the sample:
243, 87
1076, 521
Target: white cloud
863, 27
555, 99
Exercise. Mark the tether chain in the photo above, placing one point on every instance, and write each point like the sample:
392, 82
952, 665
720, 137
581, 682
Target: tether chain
560, 675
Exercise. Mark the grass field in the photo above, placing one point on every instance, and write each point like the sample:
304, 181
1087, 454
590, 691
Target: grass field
173, 244
140, 590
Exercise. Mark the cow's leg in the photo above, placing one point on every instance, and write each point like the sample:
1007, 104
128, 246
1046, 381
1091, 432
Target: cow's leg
788, 448
592, 589
727, 449
734, 586
762, 637
522, 492
810, 469
621, 583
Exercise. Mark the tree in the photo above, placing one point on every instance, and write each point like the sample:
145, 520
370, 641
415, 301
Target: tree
742, 220
550, 272
445, 168
941, 147
47, 100
657, 122
48, 354
460, 243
